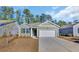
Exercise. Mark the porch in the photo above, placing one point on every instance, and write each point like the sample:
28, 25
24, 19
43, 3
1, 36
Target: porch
33, 32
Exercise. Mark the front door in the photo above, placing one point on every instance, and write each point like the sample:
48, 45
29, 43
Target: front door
34, 32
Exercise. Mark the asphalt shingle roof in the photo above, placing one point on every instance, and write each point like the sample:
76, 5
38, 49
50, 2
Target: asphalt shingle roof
5, 22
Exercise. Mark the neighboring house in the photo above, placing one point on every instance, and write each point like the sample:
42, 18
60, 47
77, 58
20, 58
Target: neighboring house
70, 30
8, 27
46, 29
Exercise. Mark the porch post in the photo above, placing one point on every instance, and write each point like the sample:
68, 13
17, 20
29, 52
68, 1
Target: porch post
25, 31
31, 32
37, 32
19, 31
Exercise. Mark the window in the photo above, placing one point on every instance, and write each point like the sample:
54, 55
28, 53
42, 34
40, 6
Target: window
23, 30
28, 30
78, 30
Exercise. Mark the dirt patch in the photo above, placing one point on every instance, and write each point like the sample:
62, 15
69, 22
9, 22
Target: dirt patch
22, 44
73, 39
67, 38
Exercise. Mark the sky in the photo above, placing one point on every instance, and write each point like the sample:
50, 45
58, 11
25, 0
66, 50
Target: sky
66, 13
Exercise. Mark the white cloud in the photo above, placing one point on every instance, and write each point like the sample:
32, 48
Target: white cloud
74, 15
52, 13
69, 13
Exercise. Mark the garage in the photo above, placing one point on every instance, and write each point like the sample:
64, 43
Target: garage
48, 29
47, 33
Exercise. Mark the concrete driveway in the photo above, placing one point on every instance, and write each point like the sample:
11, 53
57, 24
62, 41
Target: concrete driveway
57, 45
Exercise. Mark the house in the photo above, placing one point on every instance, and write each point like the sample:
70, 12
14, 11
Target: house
70, 30
8, 27
46, 29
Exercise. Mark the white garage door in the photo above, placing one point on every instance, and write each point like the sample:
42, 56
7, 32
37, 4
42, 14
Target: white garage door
47, 33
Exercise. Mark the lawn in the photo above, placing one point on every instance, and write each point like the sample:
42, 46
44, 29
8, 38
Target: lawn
21, 44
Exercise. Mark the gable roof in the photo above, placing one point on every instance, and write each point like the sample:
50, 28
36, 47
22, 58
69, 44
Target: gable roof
30, 25
76, 24
38, 24
49, 23
66, 26
70, 25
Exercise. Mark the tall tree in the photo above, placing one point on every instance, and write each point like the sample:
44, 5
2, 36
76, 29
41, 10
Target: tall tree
31, 18
27, 14
43, 18
61, 23
49, 17
70, 23
3, 10
37, 17
22, 19
54, 21
7, 12
18, 16
76, 21
1, 15
11, 12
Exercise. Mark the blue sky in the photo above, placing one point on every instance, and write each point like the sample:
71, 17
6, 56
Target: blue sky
37, 10
66, 13
40, 9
